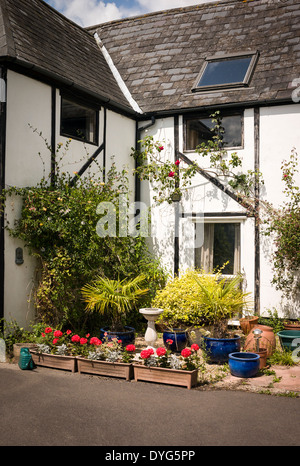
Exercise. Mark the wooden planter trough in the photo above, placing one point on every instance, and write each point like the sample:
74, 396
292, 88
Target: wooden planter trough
105, 368
186, 379
54, 361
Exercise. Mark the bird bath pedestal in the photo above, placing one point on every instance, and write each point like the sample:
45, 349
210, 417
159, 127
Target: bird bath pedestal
151, 314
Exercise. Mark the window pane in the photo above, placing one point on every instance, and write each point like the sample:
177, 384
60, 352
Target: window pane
78, 121
221, 244
224, 244
199, 130
225, 72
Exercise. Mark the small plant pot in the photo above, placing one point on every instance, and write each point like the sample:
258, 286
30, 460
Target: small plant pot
244, 365
247, 323
291, 325
263, 357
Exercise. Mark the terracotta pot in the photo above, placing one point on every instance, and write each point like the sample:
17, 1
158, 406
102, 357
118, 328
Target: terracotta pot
267, 340
291, 326
262, 352
247, 323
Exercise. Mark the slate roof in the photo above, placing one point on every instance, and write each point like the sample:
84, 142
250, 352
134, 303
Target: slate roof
35, 36
159, 55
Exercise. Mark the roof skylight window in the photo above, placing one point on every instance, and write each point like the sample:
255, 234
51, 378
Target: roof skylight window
220, 72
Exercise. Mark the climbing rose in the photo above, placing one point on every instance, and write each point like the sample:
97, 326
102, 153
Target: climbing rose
161, 351
177, 162
161, 148
75, 339
194, 347
171, 174
186, 352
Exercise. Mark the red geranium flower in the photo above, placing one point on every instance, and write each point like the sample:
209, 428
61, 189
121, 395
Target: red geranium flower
186, 352
57, 333
68, 332
169, 341
55, 341
145, 354
75, 339
48, 330
83, 341
194, 347
95, 341
130, 348
161, 351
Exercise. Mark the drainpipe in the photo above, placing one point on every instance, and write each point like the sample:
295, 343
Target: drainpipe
3, 82
137, 145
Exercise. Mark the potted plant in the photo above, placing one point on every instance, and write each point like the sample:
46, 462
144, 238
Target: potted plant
54, 349
291, 324
114, 298
163, 366
108, 358
220, 299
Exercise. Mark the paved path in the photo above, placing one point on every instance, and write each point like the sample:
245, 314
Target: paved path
47, 407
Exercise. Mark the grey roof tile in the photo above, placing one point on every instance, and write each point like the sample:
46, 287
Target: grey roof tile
174, 44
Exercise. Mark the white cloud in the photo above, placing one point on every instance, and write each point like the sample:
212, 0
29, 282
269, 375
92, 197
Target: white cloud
91, 12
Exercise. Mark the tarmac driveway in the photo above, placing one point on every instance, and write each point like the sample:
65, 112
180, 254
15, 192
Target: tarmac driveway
47, 407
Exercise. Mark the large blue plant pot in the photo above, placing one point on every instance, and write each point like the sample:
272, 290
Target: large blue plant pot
244, 365
179, 338
287, 338
218, 349
127, 337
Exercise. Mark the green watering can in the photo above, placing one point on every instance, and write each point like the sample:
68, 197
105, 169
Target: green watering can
25, 360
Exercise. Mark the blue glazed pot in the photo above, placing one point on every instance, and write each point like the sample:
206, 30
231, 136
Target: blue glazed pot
127, 337
218, 349
287, 338
179, 338
244, 364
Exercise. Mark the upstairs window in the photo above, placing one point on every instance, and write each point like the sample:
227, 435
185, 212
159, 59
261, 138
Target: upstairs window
233, 71
199, 129
79, 121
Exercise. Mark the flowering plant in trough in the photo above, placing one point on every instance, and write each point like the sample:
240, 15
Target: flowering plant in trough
188, 360
68, 344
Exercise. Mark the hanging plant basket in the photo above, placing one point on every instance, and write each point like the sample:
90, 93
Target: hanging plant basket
163, 375
54, 361
105, 368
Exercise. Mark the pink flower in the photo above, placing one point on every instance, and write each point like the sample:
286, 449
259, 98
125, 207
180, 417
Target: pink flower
83, 341
75, 339
57, 333
194, 347
186, 352
177, 162
130, 348
161, 351
171, 174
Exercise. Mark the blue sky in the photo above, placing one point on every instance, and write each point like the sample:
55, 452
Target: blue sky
91, 12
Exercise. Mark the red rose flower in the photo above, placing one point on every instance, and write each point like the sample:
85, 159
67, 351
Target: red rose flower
171, 174
177, 162
161, 351
186, 352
